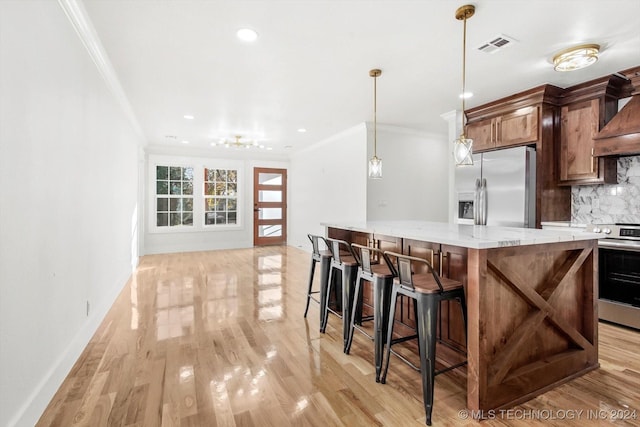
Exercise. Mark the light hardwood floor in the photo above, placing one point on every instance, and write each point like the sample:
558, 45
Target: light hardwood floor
218, 339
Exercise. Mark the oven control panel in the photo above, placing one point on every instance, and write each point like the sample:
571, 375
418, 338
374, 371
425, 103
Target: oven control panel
616, 231
630, 232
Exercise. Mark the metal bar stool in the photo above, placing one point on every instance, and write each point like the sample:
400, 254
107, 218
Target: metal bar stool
323, 256
427, 290
381, 277
344, 261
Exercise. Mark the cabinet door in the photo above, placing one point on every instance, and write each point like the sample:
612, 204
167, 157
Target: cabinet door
580, 123
482, 133
454, 266
519, 127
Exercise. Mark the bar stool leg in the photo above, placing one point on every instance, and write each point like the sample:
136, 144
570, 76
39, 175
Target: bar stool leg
325, 264
379, 302
347, 300
392, 315
325, 306
356, 296
427, 322
311, 271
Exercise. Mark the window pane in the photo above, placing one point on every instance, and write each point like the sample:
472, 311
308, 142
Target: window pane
232, 176
175, 173
209, 189
209, 204
162, 219
162, 187
270, 178
221, 205
209, 218
232, 218
270, 230
187, 174
187, 188
221, 189
162, 204
231, 189
162, 172
231, 204
221, 218
176, 187
270, 213
187, 204
187, 219
269, 196
175, 219
221, 175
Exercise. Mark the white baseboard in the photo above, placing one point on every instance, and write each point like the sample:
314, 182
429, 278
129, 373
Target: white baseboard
32, 409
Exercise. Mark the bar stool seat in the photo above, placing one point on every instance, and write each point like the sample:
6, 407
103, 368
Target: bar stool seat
346, 263
381, 276
322, 256
427, 290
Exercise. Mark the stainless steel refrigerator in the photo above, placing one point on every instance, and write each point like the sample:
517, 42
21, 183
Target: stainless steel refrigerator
499, 189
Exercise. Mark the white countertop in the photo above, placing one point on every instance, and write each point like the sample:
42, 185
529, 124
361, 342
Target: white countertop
467, 236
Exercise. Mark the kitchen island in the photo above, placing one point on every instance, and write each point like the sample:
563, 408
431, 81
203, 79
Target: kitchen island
531, 300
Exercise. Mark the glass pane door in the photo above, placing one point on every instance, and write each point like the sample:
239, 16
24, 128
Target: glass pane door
269, 206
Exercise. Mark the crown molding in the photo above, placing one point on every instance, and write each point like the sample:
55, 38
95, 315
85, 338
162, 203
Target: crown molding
77, 15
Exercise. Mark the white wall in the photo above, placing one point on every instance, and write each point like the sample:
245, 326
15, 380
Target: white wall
415, 176
68, 173
328, 182
199, 239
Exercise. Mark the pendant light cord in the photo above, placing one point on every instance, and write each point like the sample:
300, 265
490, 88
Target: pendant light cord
464, 67
375, 124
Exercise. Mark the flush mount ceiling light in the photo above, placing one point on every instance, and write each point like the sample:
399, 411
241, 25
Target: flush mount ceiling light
375, 164
576, 57
462, 145
247, 35
238, 143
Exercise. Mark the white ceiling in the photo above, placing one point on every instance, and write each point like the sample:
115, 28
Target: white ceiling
310, 66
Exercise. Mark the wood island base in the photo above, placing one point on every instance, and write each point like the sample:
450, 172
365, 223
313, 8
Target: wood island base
532, 313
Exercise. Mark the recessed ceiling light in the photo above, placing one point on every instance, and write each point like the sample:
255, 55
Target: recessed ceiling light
247, 35
184, 141
466, 95
188, 117
302, 130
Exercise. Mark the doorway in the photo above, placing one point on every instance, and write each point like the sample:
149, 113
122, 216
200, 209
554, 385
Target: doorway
269, 206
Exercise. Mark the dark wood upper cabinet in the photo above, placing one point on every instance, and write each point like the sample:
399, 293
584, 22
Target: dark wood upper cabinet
519, 127
586, 108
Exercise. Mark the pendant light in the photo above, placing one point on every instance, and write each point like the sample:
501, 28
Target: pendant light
375, 164
462, 146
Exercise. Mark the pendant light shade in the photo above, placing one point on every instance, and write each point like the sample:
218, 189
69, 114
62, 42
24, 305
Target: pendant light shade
463, 146
375, 163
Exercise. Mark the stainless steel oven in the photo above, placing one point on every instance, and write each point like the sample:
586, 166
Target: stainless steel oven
619, 273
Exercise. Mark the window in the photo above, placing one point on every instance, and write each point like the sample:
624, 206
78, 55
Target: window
194, 194
174, 196
220, 196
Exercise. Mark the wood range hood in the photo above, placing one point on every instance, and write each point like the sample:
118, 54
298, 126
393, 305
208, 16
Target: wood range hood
621, 136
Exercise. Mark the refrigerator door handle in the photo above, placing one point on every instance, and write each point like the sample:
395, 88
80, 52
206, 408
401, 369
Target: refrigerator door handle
483, 202
476, 203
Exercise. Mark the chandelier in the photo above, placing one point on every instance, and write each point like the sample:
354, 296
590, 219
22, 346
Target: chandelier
239, 143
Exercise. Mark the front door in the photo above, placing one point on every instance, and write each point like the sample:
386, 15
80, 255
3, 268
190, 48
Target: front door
269, 206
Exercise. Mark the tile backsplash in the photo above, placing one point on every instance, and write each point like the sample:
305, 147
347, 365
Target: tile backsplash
610, 203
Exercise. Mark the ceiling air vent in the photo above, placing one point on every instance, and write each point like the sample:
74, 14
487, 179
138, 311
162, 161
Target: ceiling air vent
498, 42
